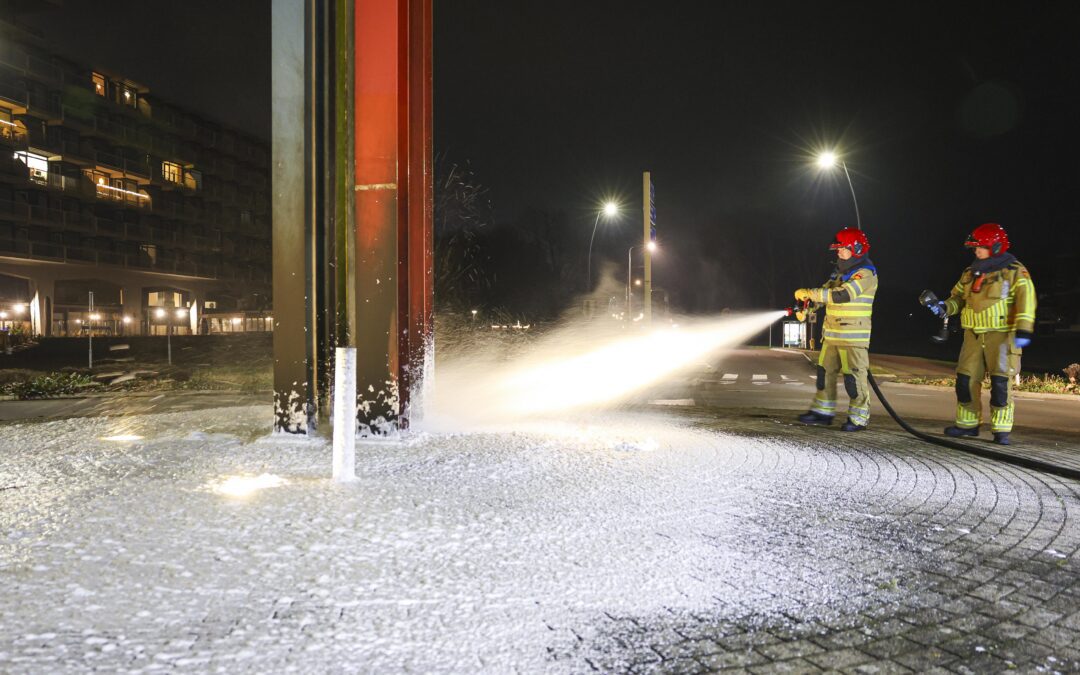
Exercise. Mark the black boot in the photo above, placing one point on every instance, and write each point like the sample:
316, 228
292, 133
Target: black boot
851, 426
811, 417
1002, 438
958, 432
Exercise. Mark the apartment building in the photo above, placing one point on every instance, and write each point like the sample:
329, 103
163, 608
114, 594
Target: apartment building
122, 213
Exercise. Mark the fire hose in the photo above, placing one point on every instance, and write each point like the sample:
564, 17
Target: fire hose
1006, 458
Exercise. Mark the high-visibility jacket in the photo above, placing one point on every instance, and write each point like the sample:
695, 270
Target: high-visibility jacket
1002, 300
849, 304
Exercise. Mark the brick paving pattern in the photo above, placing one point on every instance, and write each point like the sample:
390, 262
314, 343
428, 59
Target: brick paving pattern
962, 565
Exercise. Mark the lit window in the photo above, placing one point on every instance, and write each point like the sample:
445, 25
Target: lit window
172, 172
38, 166
127, 96
150, 251
7, 124
99, 83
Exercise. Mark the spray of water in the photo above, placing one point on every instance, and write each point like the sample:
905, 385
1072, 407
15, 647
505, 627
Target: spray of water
576, 369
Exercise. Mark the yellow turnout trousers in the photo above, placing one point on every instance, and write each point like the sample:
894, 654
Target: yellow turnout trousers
854, 364
992, 352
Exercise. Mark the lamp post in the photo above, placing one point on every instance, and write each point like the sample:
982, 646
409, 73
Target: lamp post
609, 210
629, 275
828, 160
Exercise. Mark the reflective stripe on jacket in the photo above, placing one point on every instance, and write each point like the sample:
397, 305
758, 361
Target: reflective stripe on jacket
849, 305
1004, 301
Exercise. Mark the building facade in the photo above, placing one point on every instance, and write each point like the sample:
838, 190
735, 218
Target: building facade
121, 213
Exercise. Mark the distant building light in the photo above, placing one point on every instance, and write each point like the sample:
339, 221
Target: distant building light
181, 313
95, 317
101, 184
127, 319
3, 315
160, 313
236, 320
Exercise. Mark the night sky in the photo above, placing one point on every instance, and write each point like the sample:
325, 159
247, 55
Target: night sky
948, 115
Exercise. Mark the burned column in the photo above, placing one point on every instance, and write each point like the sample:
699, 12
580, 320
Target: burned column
352, 206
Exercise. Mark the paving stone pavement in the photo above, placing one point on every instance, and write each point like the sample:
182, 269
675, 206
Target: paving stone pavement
963, 565
994, 587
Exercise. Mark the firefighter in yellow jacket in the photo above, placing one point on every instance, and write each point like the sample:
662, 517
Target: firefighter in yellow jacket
848, 297
995, 299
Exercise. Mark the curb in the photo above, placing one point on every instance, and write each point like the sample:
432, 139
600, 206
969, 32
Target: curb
1032, 394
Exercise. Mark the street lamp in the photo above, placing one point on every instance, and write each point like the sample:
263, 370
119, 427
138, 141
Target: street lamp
629, 276
828, 160
609, 210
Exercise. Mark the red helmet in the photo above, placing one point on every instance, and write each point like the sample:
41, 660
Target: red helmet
991, 236
852, 239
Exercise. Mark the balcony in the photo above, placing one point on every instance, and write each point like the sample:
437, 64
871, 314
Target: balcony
13, 135
78, 186
13, 95
122, 164
109, 160
43, 105
42, 68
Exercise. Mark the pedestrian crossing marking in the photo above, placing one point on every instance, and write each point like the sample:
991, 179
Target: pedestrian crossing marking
756, 379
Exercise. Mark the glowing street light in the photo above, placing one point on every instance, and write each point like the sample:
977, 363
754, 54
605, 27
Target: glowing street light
828, 160
609, 210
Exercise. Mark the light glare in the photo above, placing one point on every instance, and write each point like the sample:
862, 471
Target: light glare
610, 209
827, 160
245, 486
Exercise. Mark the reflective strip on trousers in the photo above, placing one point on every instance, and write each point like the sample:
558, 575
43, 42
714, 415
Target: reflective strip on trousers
860, 416
966, 419
1001, 419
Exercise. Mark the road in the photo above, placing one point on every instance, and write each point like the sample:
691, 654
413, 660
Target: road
752, 378
783, 379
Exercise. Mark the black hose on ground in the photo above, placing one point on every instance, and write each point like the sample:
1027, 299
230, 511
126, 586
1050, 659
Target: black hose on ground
1025, 462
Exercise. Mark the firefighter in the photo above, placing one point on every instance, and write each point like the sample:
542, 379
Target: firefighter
848, 297
995, 299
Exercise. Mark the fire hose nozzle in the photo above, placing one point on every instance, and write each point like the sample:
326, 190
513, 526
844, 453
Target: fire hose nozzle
929, 300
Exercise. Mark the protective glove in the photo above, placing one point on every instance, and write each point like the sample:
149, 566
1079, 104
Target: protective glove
1022, 339
802, 295
938, 309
